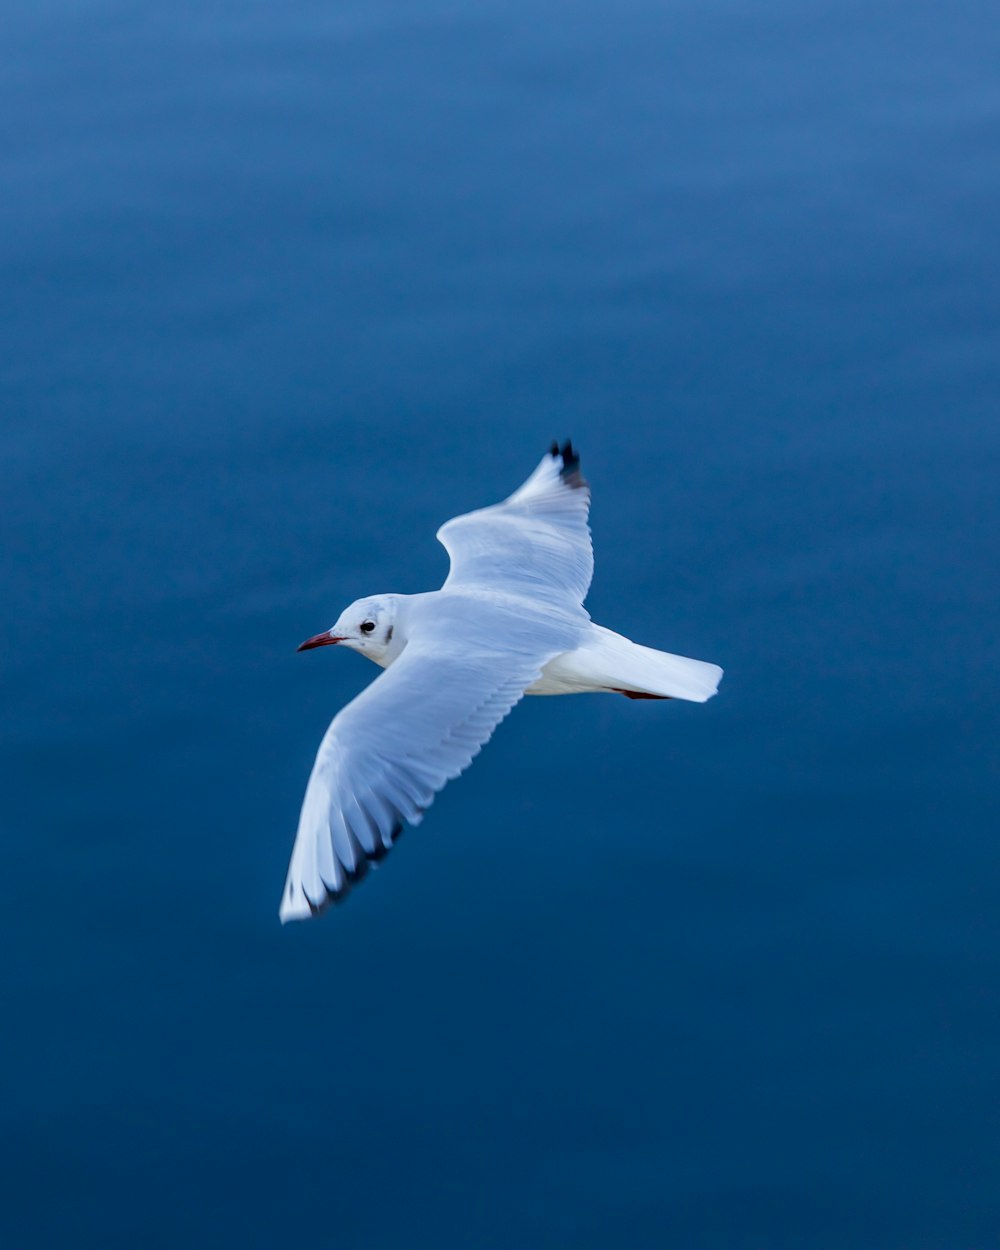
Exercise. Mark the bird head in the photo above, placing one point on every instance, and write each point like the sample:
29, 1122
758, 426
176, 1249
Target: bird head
368, 626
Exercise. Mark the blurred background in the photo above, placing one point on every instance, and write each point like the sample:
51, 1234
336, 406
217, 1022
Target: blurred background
285, 287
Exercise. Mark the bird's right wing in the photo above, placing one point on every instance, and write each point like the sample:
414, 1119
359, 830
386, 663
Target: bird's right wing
535, 544
389, 751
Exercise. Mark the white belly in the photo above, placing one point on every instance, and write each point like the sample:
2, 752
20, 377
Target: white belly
563, 675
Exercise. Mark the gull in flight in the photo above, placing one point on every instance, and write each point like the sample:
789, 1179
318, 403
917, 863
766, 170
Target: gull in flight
508, 621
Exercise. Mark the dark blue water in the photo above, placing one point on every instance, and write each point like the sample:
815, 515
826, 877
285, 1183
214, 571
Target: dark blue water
286, 286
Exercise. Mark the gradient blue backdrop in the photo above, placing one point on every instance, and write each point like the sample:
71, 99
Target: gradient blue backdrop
285, 286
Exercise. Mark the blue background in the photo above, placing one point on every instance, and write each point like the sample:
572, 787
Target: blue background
286, 286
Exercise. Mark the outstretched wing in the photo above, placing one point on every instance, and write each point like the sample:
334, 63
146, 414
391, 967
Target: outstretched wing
387, 754
537, 542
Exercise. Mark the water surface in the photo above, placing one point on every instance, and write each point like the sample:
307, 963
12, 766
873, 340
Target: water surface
286, 287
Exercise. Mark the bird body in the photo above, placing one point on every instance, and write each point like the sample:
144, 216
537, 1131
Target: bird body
508, 621
609, 663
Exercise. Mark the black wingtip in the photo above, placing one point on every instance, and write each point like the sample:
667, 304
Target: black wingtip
570, 471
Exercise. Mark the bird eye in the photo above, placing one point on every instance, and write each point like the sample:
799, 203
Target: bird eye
367, 626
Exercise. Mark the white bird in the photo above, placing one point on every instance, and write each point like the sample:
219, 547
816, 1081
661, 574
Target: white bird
508, 621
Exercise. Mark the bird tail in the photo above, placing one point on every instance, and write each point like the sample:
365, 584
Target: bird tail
615, 663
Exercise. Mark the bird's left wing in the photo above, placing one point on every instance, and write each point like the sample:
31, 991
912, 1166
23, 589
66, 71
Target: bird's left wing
536, 544
389, 751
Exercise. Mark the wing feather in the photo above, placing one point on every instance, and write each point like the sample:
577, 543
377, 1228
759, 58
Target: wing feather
386, 755
537, 542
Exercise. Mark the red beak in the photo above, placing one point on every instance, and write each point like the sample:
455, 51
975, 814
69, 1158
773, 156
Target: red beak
325, 639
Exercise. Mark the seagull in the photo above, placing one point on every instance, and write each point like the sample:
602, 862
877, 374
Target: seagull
508, 621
